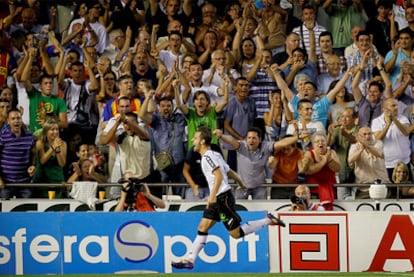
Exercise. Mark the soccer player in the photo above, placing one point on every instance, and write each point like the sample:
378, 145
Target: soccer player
221, 201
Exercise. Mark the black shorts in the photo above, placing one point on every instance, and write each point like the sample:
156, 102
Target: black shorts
223, 210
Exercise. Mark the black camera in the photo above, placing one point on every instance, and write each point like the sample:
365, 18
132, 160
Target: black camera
298, 200
134, 186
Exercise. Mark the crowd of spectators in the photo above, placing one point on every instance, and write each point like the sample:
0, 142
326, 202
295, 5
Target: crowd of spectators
297, 91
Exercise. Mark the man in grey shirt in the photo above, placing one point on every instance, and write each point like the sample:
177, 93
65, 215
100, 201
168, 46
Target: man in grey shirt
252, 156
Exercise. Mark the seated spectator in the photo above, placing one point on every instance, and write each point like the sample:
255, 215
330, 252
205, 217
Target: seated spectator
301, 201
285, 164
51, 151
367, 158
17, 156
84, 170
401, 175
138, 201
320, 165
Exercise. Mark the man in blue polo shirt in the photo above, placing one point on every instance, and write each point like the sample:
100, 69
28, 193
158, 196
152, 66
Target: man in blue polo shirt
17, 156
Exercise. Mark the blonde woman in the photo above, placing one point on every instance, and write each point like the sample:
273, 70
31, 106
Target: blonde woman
51, 155
401, 175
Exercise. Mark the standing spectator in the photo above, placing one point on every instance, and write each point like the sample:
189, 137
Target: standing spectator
365, 51
383, 28
203, 113
325, 43
301, 65
369, 106
17, 156
367, 158
342, 101
276, 120
92, 18
305, 126
239, 116
135, 138
309, 30
333, 73
42, 102
401, 52
285, 58
220, 67
262, 82
252, 157
285, 165
320, 107
343, 16
168, 128
409, 16
320, 165
158, 14
4, 110
175, 25
51, 151
393, 130
341, 135
114, 127
80, 99
353, 46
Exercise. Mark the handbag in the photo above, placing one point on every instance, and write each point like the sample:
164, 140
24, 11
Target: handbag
164, 158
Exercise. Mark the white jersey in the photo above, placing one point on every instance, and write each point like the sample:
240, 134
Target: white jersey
211, 161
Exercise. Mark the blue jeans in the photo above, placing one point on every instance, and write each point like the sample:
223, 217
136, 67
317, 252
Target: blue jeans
256, 193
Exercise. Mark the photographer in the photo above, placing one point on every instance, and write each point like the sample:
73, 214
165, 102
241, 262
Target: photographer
136, 196
301, 200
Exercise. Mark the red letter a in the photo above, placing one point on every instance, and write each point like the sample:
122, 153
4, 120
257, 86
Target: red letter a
402, 225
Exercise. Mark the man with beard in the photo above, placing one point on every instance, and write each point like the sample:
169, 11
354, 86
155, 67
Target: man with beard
79, 96
17, 156
168, 127
221, 203
142, 70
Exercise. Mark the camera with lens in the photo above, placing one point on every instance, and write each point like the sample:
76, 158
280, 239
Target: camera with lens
298, 203
134, 186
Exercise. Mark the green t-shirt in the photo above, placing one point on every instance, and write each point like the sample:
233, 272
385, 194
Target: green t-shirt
195, 121
40, 106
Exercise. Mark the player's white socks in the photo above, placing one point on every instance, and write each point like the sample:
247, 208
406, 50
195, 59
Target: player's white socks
198, 245
253, 226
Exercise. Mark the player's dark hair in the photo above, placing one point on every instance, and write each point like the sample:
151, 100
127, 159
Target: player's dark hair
205, 133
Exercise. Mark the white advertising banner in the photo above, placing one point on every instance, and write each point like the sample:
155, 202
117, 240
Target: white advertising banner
345, 241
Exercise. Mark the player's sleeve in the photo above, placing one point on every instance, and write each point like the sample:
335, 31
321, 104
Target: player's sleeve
211, 163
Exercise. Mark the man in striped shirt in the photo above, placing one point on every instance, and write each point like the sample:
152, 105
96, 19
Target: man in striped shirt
17, 156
